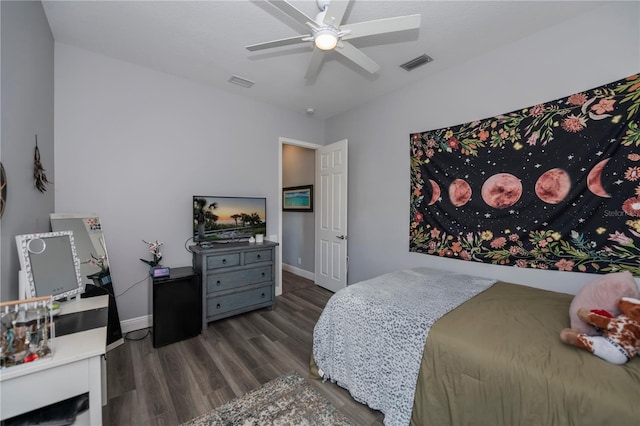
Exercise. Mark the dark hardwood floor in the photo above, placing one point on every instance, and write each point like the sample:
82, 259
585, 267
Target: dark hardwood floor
175, 383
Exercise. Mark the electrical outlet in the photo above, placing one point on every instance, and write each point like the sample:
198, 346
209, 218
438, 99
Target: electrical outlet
299, 261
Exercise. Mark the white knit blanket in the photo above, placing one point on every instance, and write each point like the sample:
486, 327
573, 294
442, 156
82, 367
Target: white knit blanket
371, 335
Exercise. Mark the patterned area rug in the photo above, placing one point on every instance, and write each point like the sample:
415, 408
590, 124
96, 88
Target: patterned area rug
287, 400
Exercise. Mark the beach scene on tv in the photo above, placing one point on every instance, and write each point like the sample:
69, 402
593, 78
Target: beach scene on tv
228, 218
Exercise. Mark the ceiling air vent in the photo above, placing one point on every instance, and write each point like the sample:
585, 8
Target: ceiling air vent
416, 62
241, 81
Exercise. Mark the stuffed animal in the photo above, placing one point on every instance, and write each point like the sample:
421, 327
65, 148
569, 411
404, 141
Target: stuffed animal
621, 335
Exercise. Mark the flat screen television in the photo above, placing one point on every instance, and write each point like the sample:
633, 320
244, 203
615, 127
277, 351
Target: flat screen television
224, 219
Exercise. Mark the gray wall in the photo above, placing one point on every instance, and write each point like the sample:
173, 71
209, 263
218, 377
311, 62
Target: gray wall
27, 84
134, 145
552, 63
298, 228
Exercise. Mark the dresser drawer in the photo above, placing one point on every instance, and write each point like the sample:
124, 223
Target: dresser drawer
228, 280
230, 302
236, 277
257, 256
223, 260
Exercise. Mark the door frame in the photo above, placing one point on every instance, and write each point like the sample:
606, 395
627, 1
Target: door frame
286, 141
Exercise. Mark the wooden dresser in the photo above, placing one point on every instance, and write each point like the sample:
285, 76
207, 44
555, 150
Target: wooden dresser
236, 278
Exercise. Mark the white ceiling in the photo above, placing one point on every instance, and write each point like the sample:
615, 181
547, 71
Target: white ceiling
205, 41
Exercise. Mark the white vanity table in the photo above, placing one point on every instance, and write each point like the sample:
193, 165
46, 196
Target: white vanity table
77, 366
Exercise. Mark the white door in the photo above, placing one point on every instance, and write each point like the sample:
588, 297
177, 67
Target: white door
331, 216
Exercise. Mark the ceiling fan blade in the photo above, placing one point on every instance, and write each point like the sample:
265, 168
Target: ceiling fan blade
356, 55
292, 12
314, 65
277, 43
335, 12
381, 26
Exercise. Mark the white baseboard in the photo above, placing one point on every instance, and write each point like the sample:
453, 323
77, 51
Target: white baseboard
138, 323
300, 272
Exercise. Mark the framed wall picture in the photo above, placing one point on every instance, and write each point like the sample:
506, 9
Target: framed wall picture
297, 198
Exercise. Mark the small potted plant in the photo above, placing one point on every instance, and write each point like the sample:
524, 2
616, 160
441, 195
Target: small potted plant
154, 249
103, 276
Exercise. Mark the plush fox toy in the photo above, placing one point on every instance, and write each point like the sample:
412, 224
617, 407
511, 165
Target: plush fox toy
621, 335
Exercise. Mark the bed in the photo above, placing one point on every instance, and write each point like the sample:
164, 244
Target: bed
490, 354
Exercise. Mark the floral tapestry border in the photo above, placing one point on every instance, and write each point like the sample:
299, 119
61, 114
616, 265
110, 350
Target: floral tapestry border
553, 186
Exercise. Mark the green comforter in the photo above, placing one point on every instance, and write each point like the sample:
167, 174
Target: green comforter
498, 360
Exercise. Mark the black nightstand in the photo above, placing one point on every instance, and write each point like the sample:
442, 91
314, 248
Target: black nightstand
177, 306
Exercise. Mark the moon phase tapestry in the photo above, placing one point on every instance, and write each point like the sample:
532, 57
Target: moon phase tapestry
553, 186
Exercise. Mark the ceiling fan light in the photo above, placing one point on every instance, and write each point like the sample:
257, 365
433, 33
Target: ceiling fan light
326, 39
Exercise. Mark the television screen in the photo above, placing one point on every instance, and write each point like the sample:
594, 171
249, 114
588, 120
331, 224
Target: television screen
228, 218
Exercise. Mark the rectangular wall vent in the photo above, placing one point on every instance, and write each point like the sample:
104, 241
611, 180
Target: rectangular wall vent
241, 81
416, 62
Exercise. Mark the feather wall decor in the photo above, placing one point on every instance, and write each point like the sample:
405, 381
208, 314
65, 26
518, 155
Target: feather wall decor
39, 177
3, 190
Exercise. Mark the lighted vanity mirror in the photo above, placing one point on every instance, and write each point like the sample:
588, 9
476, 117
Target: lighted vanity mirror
50, 265
90, 244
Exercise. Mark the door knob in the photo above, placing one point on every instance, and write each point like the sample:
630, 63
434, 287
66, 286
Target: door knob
342, 237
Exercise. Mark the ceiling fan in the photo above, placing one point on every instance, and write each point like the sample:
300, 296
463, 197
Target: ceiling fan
328, 33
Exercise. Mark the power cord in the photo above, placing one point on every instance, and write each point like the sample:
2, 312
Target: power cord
185, 244
134, 339
129, 288
146, 277
132, 286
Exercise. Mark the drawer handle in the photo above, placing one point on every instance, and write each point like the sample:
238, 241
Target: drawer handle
258, 256
218, 306
218, 283
224, 261
263, 274
263, 295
